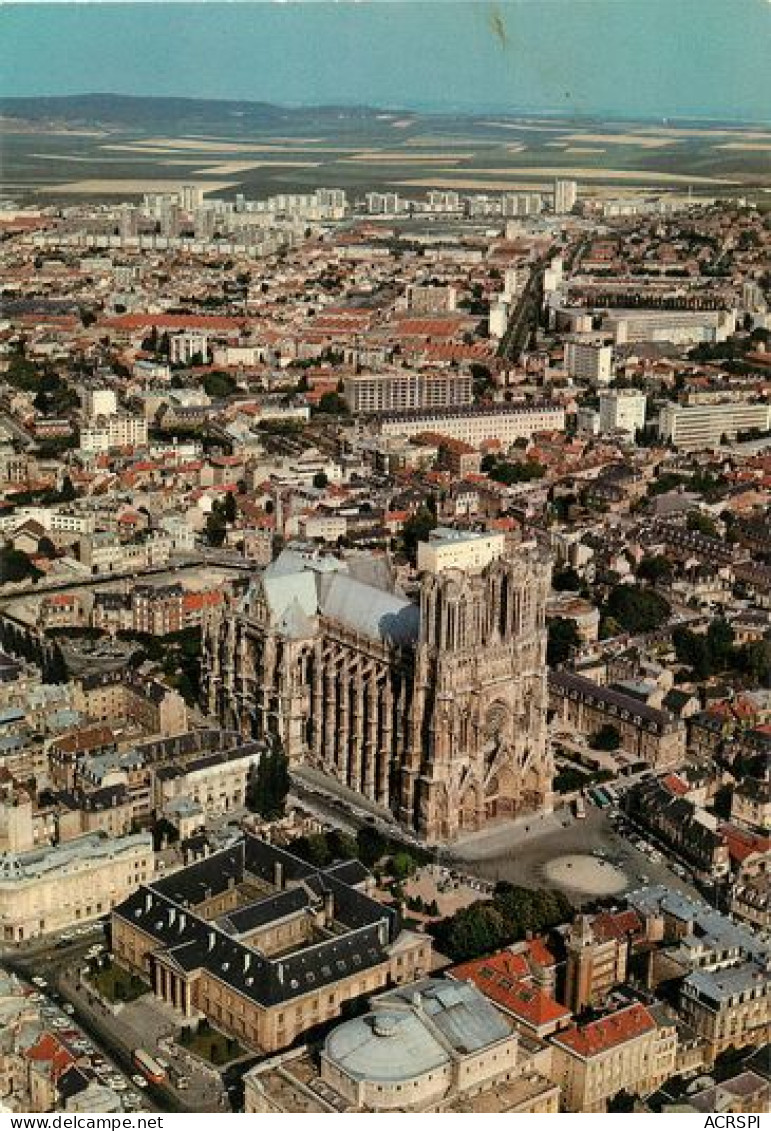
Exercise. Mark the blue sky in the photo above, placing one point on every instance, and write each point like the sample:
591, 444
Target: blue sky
631, 58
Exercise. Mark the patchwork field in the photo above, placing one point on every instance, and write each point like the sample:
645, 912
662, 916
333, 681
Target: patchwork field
364, 152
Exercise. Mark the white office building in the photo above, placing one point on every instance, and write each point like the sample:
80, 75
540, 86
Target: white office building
622, 410
99, 402
565, 196
498, 318
184, 347
467, 550
705, 425
119, 431
589, 361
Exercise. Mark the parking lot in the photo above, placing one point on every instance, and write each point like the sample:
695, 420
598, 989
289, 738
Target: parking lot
59, 1015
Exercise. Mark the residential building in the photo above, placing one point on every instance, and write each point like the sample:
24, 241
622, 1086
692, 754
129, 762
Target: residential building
627, 1050
403, 390
565, 196
729, 1006
478, 423
99, 402
51, 888
687, 829
597, 956
119, 695
121, 430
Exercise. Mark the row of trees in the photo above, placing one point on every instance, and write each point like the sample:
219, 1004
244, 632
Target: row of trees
486, 926
508, 472
715, 653
269, 784
46, 654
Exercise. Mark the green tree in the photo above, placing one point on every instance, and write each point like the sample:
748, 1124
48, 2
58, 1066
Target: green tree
636, 610
67, 491
269, 784
417, 529
692, 649
754, 659
15, 565
486, 925
341, 845
562, 641
371, 844
402, 865
46, 548
332, 404
216, 527
313, 848
654, 569
54, 667
702, 524
720, 640
606, 738
219, 385
566, 581
230, 509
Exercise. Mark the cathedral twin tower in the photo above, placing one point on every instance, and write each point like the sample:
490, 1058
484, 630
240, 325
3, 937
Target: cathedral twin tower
434, 709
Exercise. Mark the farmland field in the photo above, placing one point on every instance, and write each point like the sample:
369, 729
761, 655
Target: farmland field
298, 151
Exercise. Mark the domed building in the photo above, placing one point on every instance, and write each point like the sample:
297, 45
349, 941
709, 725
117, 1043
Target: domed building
434, 1045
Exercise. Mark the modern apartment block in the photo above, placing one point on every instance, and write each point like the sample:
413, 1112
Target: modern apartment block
431, 299
705, 425
622, 410
680, 327
565, 196
475, 424
589, 361
120, 430
398, 392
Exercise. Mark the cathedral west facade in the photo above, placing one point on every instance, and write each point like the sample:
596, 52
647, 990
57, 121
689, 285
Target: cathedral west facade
433, 708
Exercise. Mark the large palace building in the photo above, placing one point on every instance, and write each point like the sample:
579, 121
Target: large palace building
433, 708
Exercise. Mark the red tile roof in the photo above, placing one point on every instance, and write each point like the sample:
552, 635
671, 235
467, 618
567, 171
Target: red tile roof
50, 1050
607, 1033
742, 844
174, 322
675, 785
609, 926
505, 978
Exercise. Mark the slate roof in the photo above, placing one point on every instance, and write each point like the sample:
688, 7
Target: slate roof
576, 686
165, 910
298, 587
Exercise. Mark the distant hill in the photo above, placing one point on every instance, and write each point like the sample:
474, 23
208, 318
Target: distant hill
137, 113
